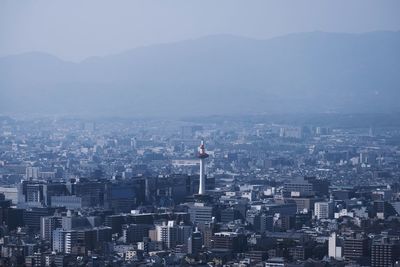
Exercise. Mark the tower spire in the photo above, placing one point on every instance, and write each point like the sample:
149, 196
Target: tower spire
202, 155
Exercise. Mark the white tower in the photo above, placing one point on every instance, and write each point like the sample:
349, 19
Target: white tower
202, 156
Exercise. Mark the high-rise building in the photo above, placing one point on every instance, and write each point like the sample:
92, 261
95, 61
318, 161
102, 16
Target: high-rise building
32, 217
232, 241
168, 234
200, 213
384, 252
133, 233
51, 190
207, 230
30, 194
47, 225
71, 241
64, 240
298, 188
195, 242
172, 234
93, 193
183, 234
334, 249
323, 210
355, 247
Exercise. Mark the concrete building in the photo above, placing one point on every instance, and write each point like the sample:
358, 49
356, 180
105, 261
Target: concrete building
334, 249
323, 210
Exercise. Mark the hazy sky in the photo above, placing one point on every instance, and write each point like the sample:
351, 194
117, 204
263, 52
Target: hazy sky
75, 29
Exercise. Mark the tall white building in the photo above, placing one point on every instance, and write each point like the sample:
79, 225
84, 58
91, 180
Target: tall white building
323, 210
167, 233
334, 250
171, 234
64, 240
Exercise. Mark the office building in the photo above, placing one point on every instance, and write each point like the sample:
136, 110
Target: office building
323, 210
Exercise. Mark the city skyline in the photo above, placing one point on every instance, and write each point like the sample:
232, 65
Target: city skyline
232, 133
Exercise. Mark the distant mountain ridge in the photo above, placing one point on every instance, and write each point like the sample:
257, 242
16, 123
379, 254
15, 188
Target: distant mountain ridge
222, 74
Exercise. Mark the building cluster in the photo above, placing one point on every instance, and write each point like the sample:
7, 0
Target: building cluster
144, 193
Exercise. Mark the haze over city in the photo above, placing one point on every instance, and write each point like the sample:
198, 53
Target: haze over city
148, 58
199, 133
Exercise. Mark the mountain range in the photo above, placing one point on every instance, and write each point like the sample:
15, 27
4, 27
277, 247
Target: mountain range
314, 72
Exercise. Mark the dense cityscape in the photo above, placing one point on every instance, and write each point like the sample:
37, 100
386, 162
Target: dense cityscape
210, 191
229, 133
